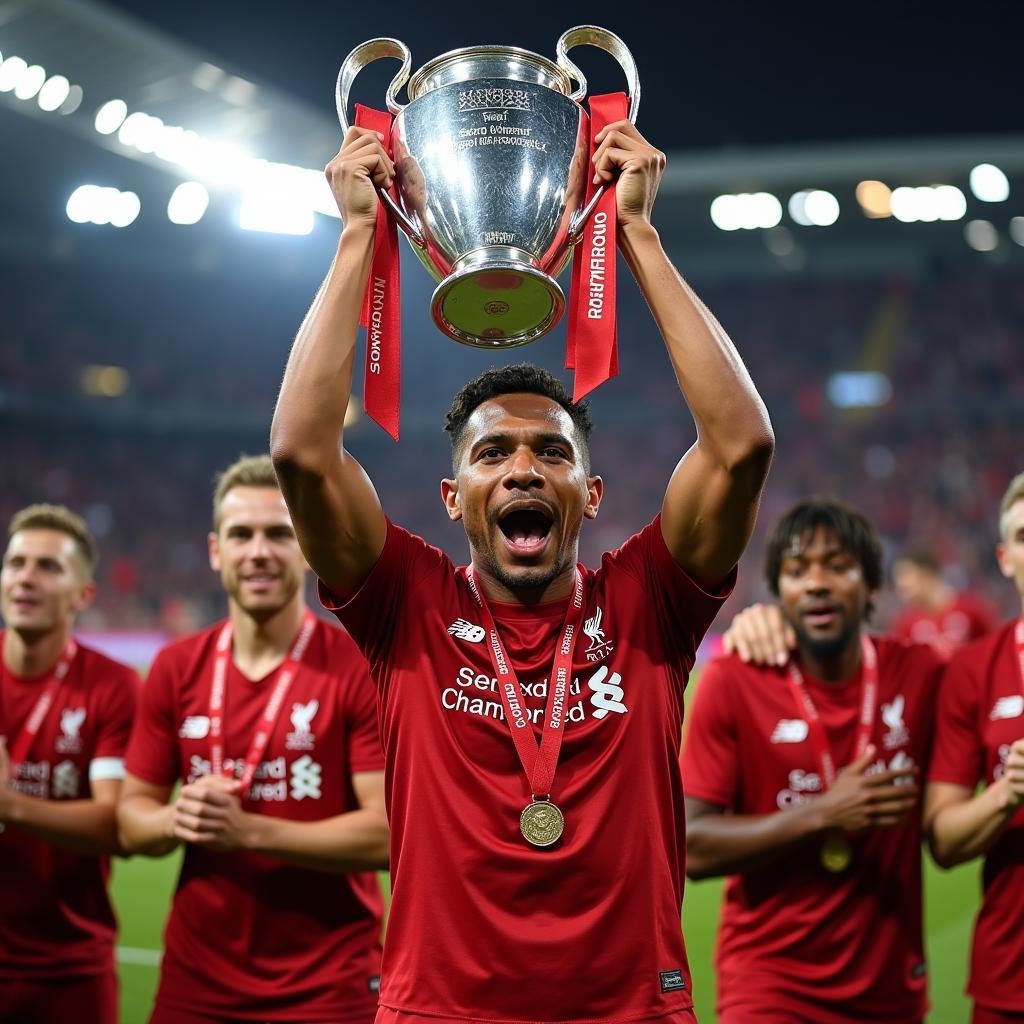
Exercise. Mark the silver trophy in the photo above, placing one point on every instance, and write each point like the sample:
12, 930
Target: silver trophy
491, 156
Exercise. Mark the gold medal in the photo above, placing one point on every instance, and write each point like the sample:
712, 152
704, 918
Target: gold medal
541, 823
836, 854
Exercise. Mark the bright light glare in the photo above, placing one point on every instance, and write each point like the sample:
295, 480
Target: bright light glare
860, 389
30, 82
927, 204
821, 208
981, 235
124, 208
91, 204
73, 102
54, 92
80, 203
875, 198
188, 203
111, 116
1017, 230
261, 211
747, 211
10, 73
989, 184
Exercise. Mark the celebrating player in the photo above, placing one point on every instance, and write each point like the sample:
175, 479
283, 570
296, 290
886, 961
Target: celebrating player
799, 775
979, 737
530, 707
269, 719
65, 716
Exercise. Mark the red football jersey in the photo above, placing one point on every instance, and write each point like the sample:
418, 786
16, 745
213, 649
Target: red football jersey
483, 925
795, 937
966, 618
55, 916
981, 714
250, 936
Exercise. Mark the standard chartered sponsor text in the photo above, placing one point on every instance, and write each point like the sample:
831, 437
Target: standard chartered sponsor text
487, 702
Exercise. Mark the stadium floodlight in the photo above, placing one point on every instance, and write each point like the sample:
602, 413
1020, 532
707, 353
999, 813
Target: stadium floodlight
875, 198
263, 211
30, 82
989, 184
928, 203
104, 381
859, 389
746, 211
10, 73
124, 209
80, 204
73, 102
111, 116
981, 235
54, 92
1017, 229
813, 208
950, 201
141, 131
188, 203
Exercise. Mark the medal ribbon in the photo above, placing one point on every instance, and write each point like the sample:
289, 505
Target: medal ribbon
592, 349
285, 674
382, 304
22, 745
865, 722
539, 761
1018, 634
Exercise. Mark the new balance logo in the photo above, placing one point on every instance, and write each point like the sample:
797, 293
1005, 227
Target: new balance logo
607, 695
195, 727
305, 780
463, 630
1007, 707
790, 730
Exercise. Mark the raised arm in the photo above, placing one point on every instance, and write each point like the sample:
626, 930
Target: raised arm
335, 510
711, 503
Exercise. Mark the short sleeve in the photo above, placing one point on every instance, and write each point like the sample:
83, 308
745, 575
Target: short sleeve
120, 700
683, 609
364, 747
710, 758
958, 754
371, 614
153, 753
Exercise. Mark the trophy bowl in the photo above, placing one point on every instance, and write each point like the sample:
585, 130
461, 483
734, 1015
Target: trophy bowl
491, 157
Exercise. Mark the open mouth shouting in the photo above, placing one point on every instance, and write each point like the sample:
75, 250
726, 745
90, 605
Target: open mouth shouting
526, 527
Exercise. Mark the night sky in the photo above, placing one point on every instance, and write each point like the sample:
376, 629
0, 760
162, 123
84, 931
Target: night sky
714, 75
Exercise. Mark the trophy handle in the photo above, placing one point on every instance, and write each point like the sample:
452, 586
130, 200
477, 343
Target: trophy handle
362, 55
592, 35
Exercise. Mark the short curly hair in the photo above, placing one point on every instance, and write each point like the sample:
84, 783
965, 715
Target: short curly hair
509, 380
851, 529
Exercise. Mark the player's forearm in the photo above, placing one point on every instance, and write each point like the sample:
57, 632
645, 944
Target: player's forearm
732, 421
961, 832
83, 826
356, 841
726, 844
146, 827
310, 413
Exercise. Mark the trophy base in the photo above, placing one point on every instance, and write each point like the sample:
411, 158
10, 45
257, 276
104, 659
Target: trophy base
496, 298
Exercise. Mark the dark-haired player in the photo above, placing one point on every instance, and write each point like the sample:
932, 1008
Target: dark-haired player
65, 715
979, 738
269, 720
800, 785
527, 885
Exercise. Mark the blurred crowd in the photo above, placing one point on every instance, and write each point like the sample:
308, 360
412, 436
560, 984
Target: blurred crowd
202, 355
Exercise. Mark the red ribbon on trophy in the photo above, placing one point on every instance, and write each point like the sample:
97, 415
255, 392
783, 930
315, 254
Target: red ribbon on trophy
382, 304
592, 350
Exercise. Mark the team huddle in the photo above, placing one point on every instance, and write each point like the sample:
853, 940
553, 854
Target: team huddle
504, 737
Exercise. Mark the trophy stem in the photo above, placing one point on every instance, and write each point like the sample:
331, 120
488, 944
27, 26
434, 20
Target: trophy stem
497, 297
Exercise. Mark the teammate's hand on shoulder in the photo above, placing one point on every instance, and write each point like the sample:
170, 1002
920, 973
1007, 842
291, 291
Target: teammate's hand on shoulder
760, 635
624, 153
361, 163
861, 799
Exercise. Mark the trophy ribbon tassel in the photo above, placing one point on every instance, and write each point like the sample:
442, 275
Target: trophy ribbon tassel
592, 350
382, 305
